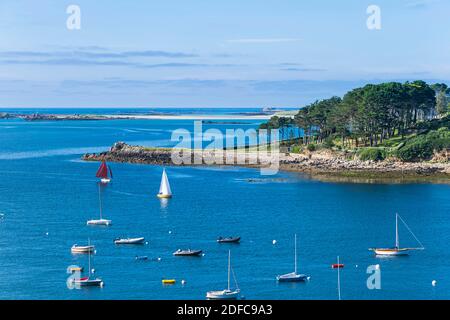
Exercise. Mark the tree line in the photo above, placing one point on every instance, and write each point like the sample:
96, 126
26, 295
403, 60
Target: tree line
367, 115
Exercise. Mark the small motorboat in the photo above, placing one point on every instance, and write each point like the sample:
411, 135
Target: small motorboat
188, 252
337, 265
229, 240
168, 281
129, 240
99, 222
82, 249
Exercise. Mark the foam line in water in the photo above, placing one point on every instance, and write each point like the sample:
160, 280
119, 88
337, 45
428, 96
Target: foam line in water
50, 153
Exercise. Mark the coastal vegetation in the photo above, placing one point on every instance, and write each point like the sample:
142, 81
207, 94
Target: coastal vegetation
408, 121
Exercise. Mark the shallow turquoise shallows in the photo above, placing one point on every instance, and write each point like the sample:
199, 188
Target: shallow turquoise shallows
47, 194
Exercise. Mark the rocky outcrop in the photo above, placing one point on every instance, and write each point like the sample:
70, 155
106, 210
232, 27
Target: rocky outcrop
321, 163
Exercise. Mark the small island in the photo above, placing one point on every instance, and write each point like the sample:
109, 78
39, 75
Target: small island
385, 132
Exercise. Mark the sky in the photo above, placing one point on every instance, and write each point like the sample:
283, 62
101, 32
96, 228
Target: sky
228, 53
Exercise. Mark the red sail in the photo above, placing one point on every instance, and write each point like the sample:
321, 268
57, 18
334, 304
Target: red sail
102, 172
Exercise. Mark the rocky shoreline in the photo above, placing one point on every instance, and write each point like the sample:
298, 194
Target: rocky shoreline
323, 165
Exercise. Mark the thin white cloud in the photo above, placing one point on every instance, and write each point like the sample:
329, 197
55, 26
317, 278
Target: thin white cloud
420, 3
263, 40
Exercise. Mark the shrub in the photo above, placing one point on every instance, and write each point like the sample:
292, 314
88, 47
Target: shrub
422, 147
311, 147
328, 143
296, 149
374, 154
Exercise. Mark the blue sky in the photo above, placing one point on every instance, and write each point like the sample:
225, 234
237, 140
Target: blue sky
198, 53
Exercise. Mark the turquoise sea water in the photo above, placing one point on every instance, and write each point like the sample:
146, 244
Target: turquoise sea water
47, 193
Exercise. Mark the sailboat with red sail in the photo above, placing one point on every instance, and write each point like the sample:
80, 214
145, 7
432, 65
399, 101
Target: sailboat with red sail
104, 172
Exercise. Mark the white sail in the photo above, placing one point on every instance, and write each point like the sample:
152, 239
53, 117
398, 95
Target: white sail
164, 189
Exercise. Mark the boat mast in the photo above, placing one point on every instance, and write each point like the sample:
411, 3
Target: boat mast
295, 254
229, 268
89, 258
339, 279
396, 231
100, 200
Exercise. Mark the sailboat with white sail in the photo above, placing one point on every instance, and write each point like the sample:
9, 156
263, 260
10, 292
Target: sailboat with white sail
293, 276
397, 250
227, 294
101, 221
104, 172
164, 188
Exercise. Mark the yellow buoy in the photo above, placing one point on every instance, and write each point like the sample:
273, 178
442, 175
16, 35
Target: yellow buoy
168, 281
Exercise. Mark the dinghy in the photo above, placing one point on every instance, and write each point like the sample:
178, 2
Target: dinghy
188, 252
293, 276
397, 250
164, 188
129, 240
82, 249
101, 221
103, 171
229, 240
227, 294
75, 269
168, 281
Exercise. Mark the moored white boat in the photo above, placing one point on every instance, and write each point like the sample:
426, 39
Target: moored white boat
223, 294
188, 252
164, 188
101, 221
82, 249
226, 294
88, 282
397, 250
293, 276
129, 240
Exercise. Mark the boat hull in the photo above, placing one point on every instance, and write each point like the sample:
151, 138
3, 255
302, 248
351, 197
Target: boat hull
292, 277
105, 180
130, 241
164, 196
82, 249
88, 282
229, 240
99, 222
192, 253
222, 295
391, 252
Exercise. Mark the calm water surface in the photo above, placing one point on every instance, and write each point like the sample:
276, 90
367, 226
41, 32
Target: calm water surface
47, 194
